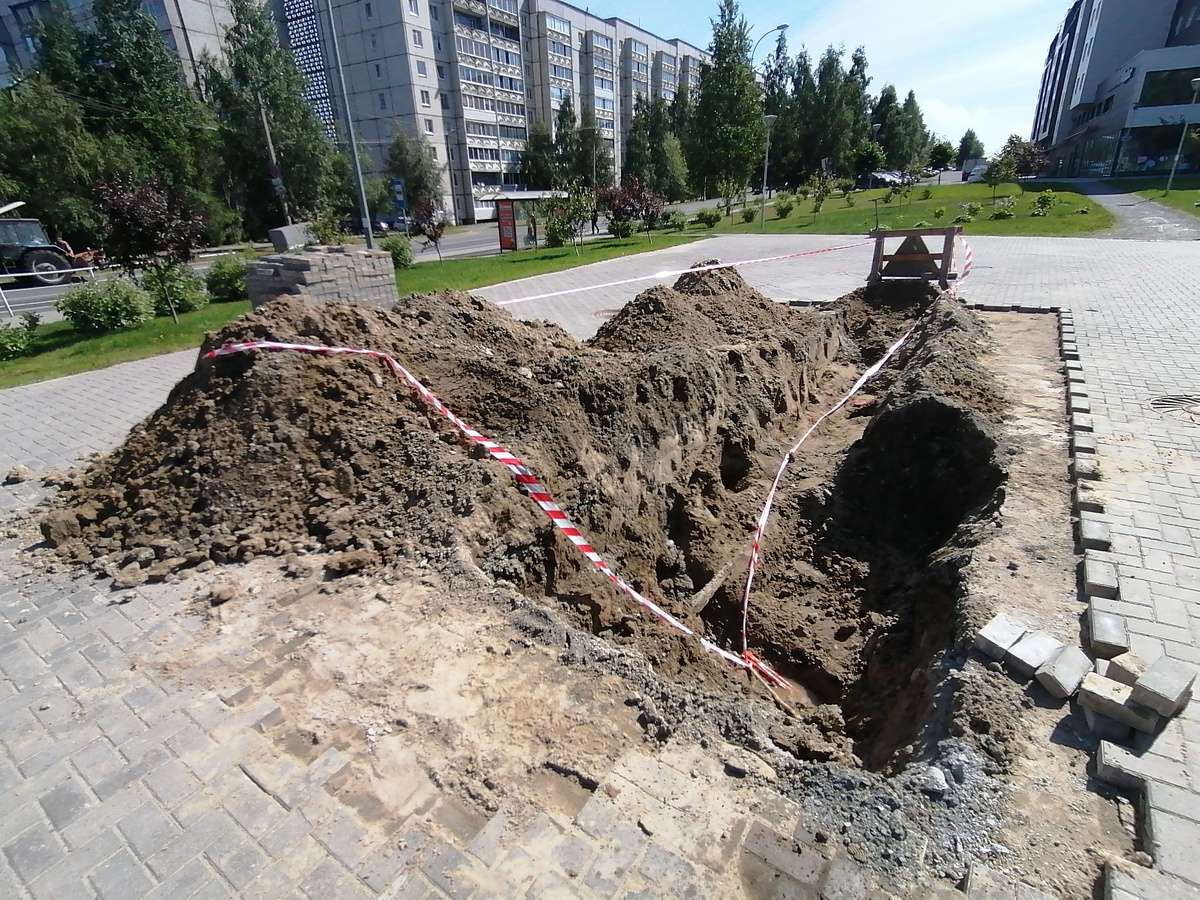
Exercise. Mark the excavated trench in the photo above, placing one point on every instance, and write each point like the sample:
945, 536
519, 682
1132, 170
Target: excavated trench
660, 436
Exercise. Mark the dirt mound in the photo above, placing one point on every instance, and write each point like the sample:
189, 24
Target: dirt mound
659, 437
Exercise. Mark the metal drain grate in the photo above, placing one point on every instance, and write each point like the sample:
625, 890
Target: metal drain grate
1185, 407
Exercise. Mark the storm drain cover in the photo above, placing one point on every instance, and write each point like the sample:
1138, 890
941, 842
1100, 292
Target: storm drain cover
1185, 407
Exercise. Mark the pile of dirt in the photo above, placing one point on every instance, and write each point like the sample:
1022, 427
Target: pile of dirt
659, 437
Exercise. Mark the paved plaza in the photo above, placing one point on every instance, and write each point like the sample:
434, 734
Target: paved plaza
116, 783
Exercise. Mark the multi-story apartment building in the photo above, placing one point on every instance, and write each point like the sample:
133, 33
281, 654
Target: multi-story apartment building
469, 76
189, 27
1115, 88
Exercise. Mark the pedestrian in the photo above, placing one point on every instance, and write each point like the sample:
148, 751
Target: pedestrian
595, 221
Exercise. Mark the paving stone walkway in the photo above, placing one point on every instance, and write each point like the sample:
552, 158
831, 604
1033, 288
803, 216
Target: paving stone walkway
118, 784
1139, 219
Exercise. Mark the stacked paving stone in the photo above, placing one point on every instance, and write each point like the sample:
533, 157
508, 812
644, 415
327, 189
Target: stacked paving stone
1120, 692
325, 275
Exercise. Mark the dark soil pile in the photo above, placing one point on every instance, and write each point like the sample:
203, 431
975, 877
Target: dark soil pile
659, 436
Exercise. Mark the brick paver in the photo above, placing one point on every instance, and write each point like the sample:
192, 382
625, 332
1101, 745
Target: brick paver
116, 782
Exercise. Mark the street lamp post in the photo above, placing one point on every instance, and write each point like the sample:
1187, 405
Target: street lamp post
782, 27
1182, 136
363, 209
769, 121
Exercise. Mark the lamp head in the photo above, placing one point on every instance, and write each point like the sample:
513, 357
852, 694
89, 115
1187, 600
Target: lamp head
1195, 85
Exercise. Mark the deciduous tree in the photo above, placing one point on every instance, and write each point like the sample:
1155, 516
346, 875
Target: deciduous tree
969, 147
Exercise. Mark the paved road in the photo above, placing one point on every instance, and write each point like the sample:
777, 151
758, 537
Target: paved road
92, 787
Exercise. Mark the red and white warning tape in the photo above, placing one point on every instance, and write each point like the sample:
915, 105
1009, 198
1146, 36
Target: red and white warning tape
968, 260
527, 480
675, 273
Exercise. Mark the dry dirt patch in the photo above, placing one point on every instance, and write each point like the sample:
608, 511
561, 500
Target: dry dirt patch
660, 436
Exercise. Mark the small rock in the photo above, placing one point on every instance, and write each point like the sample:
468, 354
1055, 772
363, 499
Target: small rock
646, 829
221, 594
525, 372
130, 576
18, 474
733, 770
933, 781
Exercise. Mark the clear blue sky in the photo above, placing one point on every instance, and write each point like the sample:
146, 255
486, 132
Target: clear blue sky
972, 65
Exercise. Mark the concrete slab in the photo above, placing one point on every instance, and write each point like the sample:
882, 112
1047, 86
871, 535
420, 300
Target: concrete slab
1032, 652
1062, 674
1165, 687
1112, 699
998, 635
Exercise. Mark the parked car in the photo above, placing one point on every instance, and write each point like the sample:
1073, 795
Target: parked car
977, 174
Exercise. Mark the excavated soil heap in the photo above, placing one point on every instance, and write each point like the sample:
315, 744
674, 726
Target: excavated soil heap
659, 436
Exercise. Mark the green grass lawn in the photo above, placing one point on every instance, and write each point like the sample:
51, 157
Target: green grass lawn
60, 350
464, 274
838, 217
1184, 196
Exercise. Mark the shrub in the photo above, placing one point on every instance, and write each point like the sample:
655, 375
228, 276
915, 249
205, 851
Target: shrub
749, 214
677, 221
106, 306
30, 321
1083, 211
889, 196
963, 219
560, 232
17, 340
973, 209
619, 229
939, 211
226, 280
1004, 208
817, 204
803, 191
1045, 200
851, 199
783, 208
1002, 214
186, 290
325, 228
1038, 211
921, 224
845, 186
709, 218
926, 193
400, 249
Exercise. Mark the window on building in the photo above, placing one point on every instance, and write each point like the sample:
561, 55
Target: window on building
510, 84
429, 126
606, 123
454, 177
640, 48
604, 84
559, 93
418, 40
560, 72
367, 10
378, 71
433, 152
605, 103
500, 55
434, 14
445, 101
562, 26
437, 42
466, 20
602, 42
413, 7
422, 68
508, 6
374, 41
425, 98
559, 47
441, 70
383, 101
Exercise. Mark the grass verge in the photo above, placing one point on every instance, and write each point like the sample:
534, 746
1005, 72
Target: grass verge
1184, 196
465, 274
837, 216
60, 350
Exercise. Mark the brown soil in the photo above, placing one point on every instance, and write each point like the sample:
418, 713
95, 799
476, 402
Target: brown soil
660, 436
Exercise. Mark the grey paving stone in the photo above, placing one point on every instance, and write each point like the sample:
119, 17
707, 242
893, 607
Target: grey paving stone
33, 851
171, 782
572, 854
285, 834
998, 636
1099, 576
121, 876
97, 761
1032, 651
235, 855
148, 829
65, 803
346, 838
614, 859
1107, 635
1061, 675
331, 880
69, 876
551, 886
1165, 686
196, 876
384, 866
449, 869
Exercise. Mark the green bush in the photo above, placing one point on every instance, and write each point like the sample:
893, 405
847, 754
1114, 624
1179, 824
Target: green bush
559, 231
621, 229
963, 219
845, 186
185, 287
709, 218
926, 193
1038, 212
1002, 214
400, 249
803, 191
974, 209
921, 224
851, 199
677, 221
817, 204
783, 208
889, 196
749, 214
97, 307
1045, 200
17, 340
325, 228
226, 280
939, 211
1083, 211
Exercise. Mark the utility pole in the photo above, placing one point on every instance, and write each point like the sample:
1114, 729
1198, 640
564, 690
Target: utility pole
364, 211
275, 172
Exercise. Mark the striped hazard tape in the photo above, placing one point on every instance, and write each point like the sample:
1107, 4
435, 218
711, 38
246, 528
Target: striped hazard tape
526, 478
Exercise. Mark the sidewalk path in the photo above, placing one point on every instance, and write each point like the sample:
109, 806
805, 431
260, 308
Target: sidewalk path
96, 780
1138, 218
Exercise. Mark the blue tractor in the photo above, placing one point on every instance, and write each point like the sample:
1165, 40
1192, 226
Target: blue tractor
26, 252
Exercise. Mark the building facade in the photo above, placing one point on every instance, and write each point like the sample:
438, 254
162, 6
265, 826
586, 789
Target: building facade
469, 76
190, 28
1115, 88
